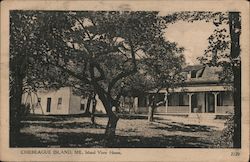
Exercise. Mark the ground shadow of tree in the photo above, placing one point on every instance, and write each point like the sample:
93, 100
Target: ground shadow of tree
72, 125
28, 140
174, 126
52, 118
87, 140
61, 137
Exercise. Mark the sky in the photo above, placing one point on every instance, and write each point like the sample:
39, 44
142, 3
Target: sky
192, 36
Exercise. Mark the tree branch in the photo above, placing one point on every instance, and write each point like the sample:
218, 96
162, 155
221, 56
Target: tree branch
81, 23
102, 76
125, 73
92, 66
82, 78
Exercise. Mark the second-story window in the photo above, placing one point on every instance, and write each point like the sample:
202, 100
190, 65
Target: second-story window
193, 74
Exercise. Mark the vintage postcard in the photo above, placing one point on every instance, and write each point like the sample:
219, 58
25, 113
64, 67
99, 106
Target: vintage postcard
124, 80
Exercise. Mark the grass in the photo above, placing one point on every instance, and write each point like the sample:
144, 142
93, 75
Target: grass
132, 132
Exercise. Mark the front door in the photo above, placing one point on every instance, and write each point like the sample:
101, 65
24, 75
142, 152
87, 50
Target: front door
210, 103
48, 104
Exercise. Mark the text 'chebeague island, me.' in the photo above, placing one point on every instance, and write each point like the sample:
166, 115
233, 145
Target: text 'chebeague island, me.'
71, 152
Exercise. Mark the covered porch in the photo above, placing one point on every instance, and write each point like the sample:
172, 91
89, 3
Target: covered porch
210, 99
217, 100
200, 102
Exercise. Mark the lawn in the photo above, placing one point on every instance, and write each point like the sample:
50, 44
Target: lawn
136, 132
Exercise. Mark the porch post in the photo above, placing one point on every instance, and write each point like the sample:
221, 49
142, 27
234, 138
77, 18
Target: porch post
190, 100
136, 104
215, 101
166, 100
147, 100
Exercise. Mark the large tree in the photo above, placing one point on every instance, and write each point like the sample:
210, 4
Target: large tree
159, 68
99, 49
224, 51
162, 69
26, 71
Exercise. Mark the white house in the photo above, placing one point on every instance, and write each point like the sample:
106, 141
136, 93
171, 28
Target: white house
58, 102
202, 92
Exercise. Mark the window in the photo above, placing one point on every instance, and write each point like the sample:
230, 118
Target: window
181, 100
173, 99
82, 106
48, 104
219, 99
142, 101
38, 102
178, 99
83, 103
193, 74
59, 103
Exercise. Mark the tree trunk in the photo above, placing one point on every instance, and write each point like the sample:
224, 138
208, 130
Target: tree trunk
111, 127
93, 111
151, 108
237, 108
15, 112
110, 130
88, 104
112, 118
151, 114
235, 30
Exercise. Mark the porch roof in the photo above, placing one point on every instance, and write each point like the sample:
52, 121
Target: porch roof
211, 88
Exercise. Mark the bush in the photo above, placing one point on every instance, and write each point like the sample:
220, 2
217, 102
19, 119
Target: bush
226, 138
25, 110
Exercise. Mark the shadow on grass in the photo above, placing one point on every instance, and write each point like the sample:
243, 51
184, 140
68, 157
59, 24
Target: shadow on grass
89, 140
69, 139
137, 116
57, 118
52, 118
183, 127
27, 140
72, 125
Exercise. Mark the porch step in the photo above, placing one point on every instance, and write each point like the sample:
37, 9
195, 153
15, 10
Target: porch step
202, 116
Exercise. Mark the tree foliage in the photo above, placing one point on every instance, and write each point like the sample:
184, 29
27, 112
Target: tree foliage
93, 51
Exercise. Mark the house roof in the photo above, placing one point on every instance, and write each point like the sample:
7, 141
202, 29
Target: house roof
193, 67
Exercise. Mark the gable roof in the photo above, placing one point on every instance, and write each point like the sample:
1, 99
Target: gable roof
193, 67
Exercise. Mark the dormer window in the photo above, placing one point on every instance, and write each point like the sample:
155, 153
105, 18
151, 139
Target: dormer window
194, 71
193, 74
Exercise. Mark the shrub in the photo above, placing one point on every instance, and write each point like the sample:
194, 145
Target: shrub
25, 110
225, 140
